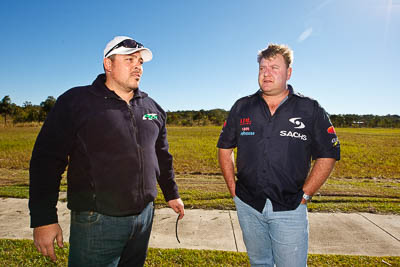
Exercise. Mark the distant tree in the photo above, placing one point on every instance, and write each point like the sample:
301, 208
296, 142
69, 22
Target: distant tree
32, 111
19, 115
172, 118
199, 118
373, 122
27, 104
337, 120
46, 106
384, 122
6, 107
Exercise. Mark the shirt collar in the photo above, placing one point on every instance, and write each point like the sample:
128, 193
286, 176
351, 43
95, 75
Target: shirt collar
289, 88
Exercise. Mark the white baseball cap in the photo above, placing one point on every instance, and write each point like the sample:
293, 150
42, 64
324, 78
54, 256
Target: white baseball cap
123, 45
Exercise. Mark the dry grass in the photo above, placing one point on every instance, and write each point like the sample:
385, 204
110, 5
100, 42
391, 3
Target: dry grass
366, 179
366, 153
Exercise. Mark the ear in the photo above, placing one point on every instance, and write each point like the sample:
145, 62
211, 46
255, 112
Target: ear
107, 64
289, 73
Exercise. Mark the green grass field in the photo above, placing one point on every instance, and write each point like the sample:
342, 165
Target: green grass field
367, 179
23, 253
366, 153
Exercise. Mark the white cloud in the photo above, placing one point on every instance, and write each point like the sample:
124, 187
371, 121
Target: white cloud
304, 35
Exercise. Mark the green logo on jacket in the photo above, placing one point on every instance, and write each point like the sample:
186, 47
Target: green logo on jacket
150, 116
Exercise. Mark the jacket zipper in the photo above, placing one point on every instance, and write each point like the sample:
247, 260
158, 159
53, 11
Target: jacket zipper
140, 152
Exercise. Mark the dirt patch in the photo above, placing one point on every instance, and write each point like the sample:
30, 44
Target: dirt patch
13, 177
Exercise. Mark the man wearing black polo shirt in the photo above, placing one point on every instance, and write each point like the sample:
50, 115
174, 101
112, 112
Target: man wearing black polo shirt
277, 132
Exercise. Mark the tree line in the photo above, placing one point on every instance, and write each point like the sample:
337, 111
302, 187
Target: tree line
27, 112
368, 121
13, 114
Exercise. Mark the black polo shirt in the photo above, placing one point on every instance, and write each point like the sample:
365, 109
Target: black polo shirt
274, 152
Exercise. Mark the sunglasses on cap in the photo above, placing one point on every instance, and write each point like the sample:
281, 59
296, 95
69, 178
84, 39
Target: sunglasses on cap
128, 43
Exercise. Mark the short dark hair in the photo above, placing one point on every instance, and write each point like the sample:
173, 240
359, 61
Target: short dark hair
274, 49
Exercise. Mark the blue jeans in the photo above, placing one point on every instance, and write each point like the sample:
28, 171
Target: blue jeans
100, 240
279, 238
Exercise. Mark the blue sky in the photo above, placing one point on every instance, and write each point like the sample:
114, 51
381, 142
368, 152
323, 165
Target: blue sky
346, 52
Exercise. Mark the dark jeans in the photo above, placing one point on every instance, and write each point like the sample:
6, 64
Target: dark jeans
100, 240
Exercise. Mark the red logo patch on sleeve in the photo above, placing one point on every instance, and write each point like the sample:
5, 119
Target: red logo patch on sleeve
331, 130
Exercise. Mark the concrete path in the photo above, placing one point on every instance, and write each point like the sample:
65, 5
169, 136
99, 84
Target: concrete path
330, 233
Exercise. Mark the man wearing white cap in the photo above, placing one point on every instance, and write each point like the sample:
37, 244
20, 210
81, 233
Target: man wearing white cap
112, 136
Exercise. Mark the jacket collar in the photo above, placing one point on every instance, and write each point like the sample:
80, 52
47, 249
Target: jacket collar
100, 89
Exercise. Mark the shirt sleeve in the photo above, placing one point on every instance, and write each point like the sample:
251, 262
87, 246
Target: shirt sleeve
325, 141
48, 162
228, 136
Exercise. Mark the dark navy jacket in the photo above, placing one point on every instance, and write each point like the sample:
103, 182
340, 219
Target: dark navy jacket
274, 152
115, 154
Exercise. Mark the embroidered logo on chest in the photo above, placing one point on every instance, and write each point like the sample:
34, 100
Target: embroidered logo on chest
150, 116
247, 131
298, 123
245, 121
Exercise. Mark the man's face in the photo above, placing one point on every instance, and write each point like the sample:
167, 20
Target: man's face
126, 71
273, 75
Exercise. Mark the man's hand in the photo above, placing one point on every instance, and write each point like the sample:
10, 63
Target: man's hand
177, 206
44, 236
